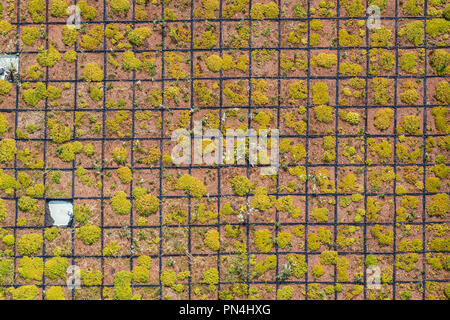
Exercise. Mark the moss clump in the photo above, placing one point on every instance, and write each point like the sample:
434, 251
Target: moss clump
29, 35
442, 93
263, 240
261, 201
437, 27
351, 117
320, 214
5, 27
381, 95
383, 118
440, 61
59, 133
191, 186
211, 277
414, 32
7, 150
409, 95
9, 240
214, 63
70, 56
36, 8
211, 239
320, 93
55, 293
324, 114
125, 174
264, 11
347, 39
146, 205
130, 62
440, 118
93, 39
410, 124
120, 204
438, 206
31, 269
241, 185
92, 72
5, 87
414, 7
82, 213
122, 286
51, 233
324, 60
284, 239
87, 12
28, 292
285, 293
381, 37
48, 57
55, 268
120, 7
29, 244
69, 35
120, 155
354, 8
139, 35
58, 8
384, 237
27, 204
89, 234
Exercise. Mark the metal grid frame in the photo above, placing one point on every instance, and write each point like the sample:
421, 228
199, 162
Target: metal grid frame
221, 108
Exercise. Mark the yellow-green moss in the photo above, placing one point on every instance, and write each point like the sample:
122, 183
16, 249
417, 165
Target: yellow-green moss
320, 93
55, 293
384, 237
442, 93
284, 239
36, 8
383, 118
241, 185
69, 35
48, 57
55, 268
320, 214
120, 155
263, 240
120, 204
5, 87
211, 239
324, 113
29, 35
414, 32
146, 205
31, 269
92, 72
191, 186
58, 8
28, 292
325, 60
89, 234
297, 91
285, 293
264, 11
437, 27
139, 35
410, 124
125, 174
214, 63
120, 7
29, 244
438, 205
7, 150
27, 204
440, 61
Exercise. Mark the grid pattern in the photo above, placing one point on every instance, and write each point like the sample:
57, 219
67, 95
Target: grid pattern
105, 170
